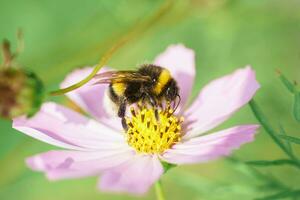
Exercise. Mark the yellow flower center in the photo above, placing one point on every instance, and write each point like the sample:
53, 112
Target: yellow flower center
153, 133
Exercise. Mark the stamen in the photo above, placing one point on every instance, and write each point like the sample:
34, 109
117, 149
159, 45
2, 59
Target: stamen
143, 117
147, 134
132, 112
155, 127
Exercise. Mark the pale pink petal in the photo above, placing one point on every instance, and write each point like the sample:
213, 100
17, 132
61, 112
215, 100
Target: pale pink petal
75, 164
210, 147
135, 176
91, 97
60, 126
220, 99
181, 63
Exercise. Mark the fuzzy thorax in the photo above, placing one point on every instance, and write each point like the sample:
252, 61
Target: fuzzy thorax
152, 134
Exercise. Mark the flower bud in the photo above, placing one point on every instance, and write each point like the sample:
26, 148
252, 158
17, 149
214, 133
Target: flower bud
21, 93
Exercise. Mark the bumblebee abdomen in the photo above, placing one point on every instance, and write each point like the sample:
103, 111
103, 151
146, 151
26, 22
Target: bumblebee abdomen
129, 90
113, 94
119, 88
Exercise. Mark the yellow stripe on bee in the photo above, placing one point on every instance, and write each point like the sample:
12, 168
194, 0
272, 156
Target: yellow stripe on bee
163, 79
119, 88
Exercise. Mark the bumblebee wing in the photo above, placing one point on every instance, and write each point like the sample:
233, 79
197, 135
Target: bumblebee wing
120, 77
114, 74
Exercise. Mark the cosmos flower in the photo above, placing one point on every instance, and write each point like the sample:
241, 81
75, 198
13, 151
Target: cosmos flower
130, 161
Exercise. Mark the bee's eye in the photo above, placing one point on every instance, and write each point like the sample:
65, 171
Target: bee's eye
169, 92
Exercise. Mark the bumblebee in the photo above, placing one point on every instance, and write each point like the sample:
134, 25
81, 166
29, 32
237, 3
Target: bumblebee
150, 84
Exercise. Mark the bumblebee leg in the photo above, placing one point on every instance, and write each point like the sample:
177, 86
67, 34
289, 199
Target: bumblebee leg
122, 108
122, 112
143, 101
154, 104
124, 124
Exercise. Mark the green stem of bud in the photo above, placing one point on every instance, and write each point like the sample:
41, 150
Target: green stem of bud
6, 54
135, 31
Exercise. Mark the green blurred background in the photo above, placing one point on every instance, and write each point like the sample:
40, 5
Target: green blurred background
225, 34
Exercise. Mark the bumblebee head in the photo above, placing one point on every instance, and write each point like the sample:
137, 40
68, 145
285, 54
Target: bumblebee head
172, 94
172, 91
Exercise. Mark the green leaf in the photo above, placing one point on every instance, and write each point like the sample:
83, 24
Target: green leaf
270, 130
266, 163
296, 107
290, 139
290, 86
288, 144
266, 125
281, 195
267, 179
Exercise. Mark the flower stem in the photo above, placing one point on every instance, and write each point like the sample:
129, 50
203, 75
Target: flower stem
159, 191
133, 33
272, 133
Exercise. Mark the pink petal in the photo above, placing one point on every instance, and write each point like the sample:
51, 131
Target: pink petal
220, 99
75, 164
210, 147
60, 126
181, 63
90, 97
135, 176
